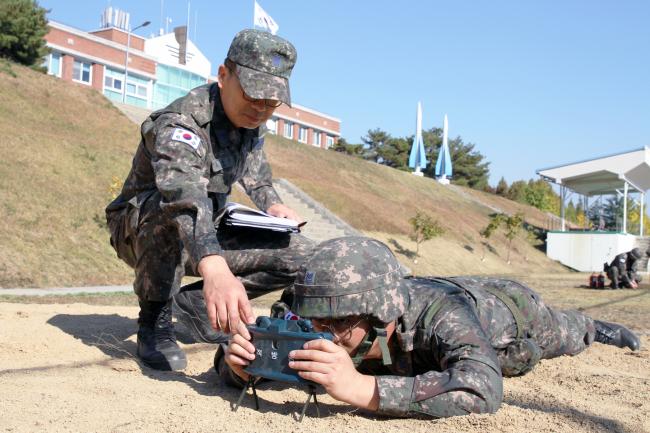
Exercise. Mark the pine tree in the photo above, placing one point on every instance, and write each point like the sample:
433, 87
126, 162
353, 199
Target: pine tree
23, 26
502, 187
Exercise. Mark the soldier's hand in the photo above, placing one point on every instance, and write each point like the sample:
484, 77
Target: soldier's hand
225, 296
281, 211
240, 351
327, 364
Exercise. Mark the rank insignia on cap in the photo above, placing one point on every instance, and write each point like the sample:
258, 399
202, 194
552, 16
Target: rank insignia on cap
309, 278
187, 137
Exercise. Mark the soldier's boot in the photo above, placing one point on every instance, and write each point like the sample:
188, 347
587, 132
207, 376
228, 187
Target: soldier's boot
190, 310
157, 346
616, 335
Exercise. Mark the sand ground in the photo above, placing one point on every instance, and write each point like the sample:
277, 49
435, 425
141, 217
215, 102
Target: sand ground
71, 367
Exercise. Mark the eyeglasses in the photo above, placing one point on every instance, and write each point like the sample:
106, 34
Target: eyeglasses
342, 328
272, 103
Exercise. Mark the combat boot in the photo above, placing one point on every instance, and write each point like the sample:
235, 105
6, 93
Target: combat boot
616, 335
190, 310
157, 346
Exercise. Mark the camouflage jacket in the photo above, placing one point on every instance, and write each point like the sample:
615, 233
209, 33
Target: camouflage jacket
443, 362
621, 263
192, 155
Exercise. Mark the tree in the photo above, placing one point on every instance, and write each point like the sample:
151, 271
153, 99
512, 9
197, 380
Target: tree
517, 191
469, 165
502, 187
570, 213
23, 26
394, 152
424, 228
538, 193
343, 146
372, 142
608, 215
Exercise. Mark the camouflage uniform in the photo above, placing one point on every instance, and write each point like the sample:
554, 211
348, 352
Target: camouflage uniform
623, 271
454, 337
166, 218
617, 271
632, 266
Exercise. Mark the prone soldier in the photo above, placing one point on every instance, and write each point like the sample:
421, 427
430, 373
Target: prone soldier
407, 346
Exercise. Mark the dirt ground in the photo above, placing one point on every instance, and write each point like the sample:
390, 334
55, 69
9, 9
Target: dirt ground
70, 366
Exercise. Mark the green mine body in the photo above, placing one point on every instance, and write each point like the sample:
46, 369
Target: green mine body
273, 340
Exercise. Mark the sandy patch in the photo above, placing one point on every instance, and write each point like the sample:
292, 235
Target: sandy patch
71, 367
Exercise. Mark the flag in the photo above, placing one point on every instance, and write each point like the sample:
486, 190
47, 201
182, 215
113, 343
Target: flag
264, 20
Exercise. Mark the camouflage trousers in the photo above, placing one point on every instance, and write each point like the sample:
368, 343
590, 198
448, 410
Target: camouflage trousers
622, 280
148, 241
546, 332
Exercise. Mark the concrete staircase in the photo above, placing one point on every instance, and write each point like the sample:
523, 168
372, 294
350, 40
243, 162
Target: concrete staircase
321, 223
135, 114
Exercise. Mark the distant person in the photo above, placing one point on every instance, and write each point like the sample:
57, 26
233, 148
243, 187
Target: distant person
406, 347
623, 270
165, 222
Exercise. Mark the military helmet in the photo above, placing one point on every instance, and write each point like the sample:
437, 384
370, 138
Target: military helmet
635, 253
350, 276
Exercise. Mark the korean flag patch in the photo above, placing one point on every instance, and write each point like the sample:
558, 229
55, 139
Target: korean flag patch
187, 137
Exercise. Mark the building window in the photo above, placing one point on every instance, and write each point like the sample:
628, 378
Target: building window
288, 129
52, 63
81, 72
302, 134
315, 138
330, 141
113, 83
137, 90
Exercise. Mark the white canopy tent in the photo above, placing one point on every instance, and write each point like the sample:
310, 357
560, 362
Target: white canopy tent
611, 174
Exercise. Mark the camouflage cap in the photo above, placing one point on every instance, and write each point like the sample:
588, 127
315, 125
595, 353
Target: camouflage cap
636, 253
350, 276
264, 63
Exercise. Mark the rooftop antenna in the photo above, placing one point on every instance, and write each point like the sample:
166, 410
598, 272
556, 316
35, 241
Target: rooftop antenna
162, 8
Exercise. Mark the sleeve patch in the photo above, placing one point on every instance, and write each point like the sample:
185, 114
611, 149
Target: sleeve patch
187, 137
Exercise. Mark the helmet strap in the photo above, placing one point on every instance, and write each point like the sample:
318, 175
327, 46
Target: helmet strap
376, 332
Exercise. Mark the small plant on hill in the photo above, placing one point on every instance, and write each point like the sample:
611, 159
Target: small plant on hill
488, 231
424, 228
513, 224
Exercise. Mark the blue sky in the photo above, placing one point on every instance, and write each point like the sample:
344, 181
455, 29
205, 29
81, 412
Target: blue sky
531, 84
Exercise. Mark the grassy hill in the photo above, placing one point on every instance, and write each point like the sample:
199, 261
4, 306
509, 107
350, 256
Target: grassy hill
64, 144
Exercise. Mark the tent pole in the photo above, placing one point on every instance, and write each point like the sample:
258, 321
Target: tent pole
625, 207
562, 193
641, 212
